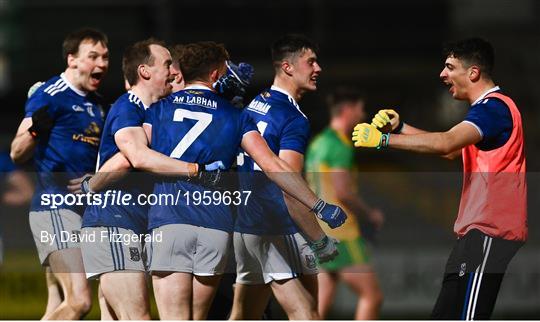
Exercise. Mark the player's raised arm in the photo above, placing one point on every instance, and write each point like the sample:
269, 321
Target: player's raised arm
23, 144
37, 124
290, 181
441, 143
388, 120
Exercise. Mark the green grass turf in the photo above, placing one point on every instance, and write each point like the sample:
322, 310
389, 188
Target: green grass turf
23, 293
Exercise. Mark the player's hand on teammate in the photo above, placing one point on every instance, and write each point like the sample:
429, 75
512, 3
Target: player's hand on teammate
80, 185
243, 72
210, 174
232, 86
324, 249
368, 136
387, 121
33, 88
333, 215
42, 123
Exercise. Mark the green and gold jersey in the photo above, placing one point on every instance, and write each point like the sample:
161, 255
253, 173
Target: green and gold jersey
330, 151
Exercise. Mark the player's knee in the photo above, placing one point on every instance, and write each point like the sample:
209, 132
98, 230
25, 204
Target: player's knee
145, 316
313, 315
79, 297
80, 303
144, 309
236, 316
374, 298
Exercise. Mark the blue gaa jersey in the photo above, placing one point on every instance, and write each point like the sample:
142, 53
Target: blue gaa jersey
72, 146
195, 125
492, 119
127, 111
284, 127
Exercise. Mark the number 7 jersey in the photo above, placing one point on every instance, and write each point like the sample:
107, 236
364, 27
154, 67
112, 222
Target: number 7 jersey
195, 125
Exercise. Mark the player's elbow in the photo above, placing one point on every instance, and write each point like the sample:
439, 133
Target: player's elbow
14, 155
444, 145
138, 163
17, 155
123, 164
450, 156
445, 150
136, 160
136, 156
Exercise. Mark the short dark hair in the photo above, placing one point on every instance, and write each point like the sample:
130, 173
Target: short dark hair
135, 55
176, 53
75, 38
289, 45
198, 59
342, 95
473, 51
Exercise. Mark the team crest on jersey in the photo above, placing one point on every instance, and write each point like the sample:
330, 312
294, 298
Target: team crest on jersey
311, 263
462, 269
89, 109
91, 135
266, 94
134, 254
77, 108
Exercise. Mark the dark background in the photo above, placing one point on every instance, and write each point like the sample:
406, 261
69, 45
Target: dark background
391, 50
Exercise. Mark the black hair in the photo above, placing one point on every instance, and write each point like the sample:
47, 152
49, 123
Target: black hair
199, 59
289, 45
473, 51
74, 39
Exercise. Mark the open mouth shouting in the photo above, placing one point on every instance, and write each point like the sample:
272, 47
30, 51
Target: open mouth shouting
450, 86
95, 78
313, 79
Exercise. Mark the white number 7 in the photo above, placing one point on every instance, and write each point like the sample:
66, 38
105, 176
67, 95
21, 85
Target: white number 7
203, 120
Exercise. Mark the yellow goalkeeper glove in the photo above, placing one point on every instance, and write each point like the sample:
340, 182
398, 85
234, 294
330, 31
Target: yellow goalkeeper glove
367, 136
387, 121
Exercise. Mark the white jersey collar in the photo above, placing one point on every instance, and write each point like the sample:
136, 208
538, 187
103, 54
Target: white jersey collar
491, 90
291, 99
281, 90
73, 88
137, 98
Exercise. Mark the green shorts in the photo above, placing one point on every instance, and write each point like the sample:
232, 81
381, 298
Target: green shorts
351, 252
